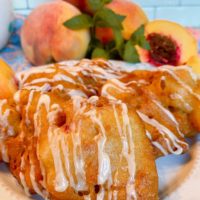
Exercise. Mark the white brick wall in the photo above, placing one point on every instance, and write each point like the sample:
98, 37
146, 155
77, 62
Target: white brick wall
186, 12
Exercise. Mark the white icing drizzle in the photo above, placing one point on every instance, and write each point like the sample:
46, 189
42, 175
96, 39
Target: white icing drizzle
5, 126
78, 158
43, 100
22, 177
193, 75
65, 151
125, 132
61, 183
104, 167
44, 88
101, 194
104, 92
163, 78
23, 76
59, 87
57, 77
4, 118
165, 132
33, 181
130, 188
61, 77
188, 88
179, 97
156, 144
87, 197
115, 195
80, 93
115, 84
87, 68
54, 139
93, 100
79, 164
4, 151
30, 98
170, 115
39, 80
17, 96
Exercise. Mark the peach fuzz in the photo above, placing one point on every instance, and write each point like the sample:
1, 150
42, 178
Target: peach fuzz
170, 44
45, 39
8, 83
135, 17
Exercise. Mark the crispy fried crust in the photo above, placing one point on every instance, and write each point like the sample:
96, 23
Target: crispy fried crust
90, 133
64, 142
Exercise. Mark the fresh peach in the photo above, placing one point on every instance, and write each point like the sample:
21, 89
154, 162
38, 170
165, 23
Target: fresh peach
8, 83
194, 62
45, 39
135, 17
170, 44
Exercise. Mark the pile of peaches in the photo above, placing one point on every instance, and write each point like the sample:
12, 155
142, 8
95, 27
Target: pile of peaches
110, 29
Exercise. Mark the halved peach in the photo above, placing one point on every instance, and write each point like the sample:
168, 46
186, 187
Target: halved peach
170, 43
8, 83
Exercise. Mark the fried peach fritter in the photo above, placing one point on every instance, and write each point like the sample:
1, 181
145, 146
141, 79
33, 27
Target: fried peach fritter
83, 148
64, 142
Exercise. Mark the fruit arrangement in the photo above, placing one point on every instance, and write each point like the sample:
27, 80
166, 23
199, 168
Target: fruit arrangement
110, 29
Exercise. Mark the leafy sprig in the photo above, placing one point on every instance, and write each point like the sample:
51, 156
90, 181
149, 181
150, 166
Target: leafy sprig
119, 48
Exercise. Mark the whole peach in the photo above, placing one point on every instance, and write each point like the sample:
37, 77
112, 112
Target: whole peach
45, 39
8, 83
135, 17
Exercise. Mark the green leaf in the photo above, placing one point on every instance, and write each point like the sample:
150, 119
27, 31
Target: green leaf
97, 4
145, 44
138, 38
119, 41
94, 43
130, 53
99, 53
107, 18
79, 22
107, 1
121, 18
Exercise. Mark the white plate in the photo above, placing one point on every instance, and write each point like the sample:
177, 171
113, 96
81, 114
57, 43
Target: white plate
179, 176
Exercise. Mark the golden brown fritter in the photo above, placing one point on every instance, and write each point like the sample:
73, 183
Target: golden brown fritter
83, 148
91, 130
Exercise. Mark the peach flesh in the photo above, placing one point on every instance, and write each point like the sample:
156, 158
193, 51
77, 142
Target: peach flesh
164, 50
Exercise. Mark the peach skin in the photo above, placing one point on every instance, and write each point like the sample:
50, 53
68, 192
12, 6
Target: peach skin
45, 39
135, 17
